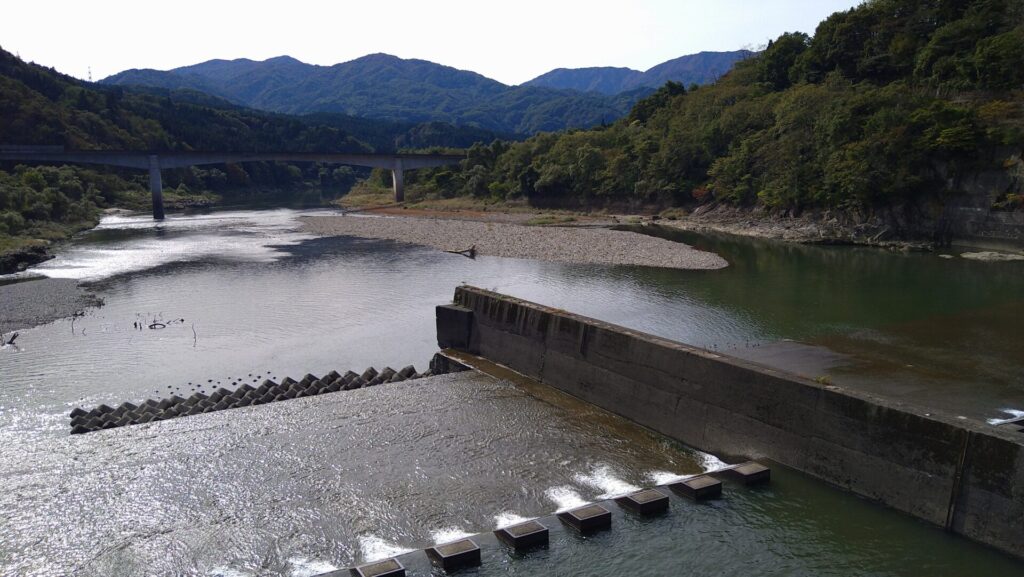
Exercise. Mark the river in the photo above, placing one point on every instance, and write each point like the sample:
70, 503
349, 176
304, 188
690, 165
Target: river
246, 295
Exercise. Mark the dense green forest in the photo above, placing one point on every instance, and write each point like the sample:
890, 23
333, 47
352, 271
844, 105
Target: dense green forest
893, 101
39, 106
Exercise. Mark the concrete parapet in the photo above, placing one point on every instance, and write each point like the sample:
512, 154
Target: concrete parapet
962, 475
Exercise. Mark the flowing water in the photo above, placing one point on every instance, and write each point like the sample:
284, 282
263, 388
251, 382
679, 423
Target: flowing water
313, 485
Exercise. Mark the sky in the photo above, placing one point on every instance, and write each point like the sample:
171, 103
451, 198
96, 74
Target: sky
511, 41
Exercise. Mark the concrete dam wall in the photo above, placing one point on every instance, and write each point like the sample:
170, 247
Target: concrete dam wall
967, 477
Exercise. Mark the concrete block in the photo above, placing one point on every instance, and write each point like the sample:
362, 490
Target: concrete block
78, 412
524, 535
456, 555
454, 327
698, 488
386, 568
369, 374
649, 502
587, 519
747, 474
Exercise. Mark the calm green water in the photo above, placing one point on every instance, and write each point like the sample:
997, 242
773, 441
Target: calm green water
940, 332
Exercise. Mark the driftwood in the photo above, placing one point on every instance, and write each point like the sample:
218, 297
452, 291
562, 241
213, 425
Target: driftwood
9, 341
469, 252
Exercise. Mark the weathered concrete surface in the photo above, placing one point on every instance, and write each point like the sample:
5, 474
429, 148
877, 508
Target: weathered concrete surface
966, 476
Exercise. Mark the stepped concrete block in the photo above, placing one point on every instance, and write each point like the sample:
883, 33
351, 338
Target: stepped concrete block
222, 404
349, 376
194, 410
304, 393
176, 400
79, 420
164, 403
94, 424
266, 386
747, 474
333, 375
334, 387
698, 488
108, 425
243, 403
145, 418
386, 568
150, 403
78, 412
408, 372
80, 429
103, 409
587, 519
524, 535
124, 421
396, 378
649, 502
130, 406
457, 555
369, 374
288, 381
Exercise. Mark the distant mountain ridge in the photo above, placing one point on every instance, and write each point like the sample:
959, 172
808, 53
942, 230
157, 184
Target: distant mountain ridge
385, 87
701, 68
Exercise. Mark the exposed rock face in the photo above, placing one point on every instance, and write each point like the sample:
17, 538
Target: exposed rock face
21, 259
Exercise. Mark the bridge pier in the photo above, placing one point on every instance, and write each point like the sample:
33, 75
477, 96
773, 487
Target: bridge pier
156, 187
398, 180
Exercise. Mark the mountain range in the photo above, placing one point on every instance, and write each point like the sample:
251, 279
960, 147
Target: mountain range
702, 68
385, 87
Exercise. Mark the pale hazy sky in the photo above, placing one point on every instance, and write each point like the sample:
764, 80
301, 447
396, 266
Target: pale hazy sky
511, 41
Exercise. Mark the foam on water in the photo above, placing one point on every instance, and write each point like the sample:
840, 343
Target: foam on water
1014, 415
508, 519
711, 462
604, 479
228, 572
565, 498
449, 534
303, 567
665, 477
374, 548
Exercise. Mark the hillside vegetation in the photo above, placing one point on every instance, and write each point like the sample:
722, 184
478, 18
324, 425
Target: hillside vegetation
894, 102
39, 106
385, 87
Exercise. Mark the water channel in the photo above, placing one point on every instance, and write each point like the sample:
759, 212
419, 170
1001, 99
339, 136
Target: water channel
383, 470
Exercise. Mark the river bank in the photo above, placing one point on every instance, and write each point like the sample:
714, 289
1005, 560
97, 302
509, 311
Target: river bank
567, 244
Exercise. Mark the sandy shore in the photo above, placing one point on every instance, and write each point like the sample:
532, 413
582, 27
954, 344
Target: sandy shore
568, 244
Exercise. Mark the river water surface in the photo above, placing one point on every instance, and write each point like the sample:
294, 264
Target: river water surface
245, 295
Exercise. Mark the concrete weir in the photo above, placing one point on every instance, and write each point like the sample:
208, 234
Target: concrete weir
965, 476
106, 417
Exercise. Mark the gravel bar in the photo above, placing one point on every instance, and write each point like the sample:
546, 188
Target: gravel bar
40, 301
548, 243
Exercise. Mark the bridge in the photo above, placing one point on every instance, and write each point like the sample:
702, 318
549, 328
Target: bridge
154, 162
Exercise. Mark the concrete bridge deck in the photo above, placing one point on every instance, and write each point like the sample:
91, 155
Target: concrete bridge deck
155, 161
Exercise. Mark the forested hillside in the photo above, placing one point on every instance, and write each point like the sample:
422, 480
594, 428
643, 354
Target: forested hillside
39, 106
895, 102
701, 68
385, 87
